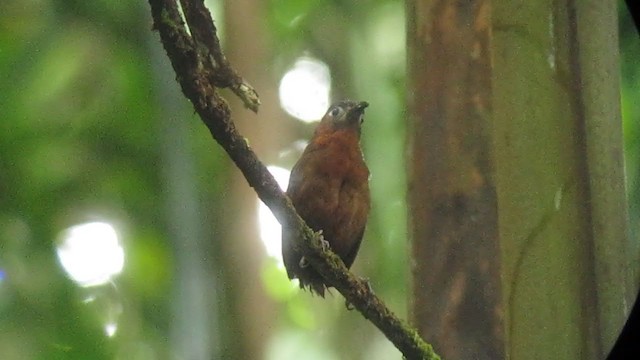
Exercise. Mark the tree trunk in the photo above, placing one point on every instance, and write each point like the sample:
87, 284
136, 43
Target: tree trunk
457, 290
517, 188
563, 219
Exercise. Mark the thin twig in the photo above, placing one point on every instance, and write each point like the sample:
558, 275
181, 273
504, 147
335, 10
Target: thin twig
201, 67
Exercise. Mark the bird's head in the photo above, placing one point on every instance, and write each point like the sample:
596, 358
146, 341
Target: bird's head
344, 114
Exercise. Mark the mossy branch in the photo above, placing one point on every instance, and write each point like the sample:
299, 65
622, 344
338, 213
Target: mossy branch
201, 68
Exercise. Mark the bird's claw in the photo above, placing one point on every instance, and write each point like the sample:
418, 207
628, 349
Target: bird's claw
324, 243
303, 262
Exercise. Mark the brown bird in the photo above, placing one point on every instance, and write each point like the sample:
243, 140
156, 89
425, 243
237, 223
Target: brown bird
329, 187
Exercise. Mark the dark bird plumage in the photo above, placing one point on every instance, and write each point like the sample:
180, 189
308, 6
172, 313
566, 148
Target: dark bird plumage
329, 187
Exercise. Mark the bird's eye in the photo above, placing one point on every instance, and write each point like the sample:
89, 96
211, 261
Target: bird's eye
335, 112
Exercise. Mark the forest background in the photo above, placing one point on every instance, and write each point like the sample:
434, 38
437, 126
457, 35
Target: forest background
99, 147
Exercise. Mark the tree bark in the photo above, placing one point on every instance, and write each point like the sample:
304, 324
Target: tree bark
456, 286
563, 222
536, 136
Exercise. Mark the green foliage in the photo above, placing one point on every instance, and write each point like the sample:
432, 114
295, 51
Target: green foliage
78, 143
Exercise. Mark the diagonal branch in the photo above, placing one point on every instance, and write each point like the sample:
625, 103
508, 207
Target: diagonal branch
201, 68
205, 36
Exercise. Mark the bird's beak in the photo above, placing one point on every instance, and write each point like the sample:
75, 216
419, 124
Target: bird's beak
357, 112
361, 106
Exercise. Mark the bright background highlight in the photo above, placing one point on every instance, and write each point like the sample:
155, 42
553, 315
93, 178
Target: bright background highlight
304, 89
91, 253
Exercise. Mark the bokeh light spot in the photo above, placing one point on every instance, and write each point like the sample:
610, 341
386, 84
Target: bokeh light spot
110, 328
304, 89
270, 229
91, 253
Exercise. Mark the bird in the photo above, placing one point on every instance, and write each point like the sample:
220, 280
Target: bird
329, 188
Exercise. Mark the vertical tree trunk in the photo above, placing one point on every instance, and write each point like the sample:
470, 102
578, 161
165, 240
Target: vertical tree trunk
541, 129
563, 222
457, 289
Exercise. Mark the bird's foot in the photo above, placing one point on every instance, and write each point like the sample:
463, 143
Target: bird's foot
324, 243
303, 262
